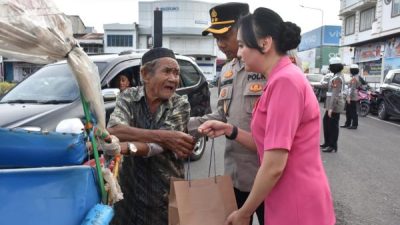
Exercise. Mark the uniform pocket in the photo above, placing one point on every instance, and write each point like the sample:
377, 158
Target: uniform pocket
225, 93
252, 92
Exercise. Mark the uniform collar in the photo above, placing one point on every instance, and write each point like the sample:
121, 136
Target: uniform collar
237, 64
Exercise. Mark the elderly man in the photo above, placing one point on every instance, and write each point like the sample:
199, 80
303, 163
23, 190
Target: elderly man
150, 121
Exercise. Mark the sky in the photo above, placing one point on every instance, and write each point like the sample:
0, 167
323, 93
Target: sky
98, 12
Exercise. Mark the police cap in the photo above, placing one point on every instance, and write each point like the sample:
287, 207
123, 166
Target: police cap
225, 15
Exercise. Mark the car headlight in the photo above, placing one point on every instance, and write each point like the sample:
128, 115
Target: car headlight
72, 125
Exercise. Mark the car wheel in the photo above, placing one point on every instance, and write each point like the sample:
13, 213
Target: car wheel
382, 114
364, 109
199, 149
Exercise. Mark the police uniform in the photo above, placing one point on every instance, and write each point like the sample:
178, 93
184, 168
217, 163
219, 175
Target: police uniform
351, 103
239, 90
334, 101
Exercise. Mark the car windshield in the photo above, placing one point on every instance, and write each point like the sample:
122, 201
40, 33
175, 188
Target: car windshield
52, 84
314, 77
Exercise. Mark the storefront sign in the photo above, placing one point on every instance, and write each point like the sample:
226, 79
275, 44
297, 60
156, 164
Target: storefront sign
169, 8
370, 52
392, 48
391, 64
371, 68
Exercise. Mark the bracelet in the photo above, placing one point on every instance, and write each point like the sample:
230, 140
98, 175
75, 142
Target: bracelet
233, 134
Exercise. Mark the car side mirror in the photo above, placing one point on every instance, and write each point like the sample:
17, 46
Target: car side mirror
110, 94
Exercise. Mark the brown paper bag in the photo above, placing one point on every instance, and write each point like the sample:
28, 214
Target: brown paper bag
201, 201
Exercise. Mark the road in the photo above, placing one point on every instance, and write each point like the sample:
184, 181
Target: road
364, 174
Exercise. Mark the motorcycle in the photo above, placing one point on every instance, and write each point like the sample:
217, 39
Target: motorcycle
368, 101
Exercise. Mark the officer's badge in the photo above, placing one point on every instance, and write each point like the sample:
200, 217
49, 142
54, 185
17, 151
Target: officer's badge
228, 74
214, 15
256, 87
223, 93
335, 83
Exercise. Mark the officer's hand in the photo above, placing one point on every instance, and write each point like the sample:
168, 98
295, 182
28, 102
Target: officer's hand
180, 143
348, 100
214, 128
330, 113
112, 148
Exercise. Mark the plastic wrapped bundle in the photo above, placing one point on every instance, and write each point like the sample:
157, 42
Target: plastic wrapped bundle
36, 31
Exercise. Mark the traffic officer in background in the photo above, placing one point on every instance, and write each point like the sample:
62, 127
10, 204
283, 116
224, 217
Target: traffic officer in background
239, 90
352, 99
334, 106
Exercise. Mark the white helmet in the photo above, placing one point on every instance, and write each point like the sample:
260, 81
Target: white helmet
335, 60
353, 66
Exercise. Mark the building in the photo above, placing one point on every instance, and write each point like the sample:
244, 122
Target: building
120, 37
372, 29
183, 22
92, 43
318, 46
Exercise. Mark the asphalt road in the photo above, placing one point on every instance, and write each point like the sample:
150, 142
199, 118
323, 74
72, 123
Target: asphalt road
364, 174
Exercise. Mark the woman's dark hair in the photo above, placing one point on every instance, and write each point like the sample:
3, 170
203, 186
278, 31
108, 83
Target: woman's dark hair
265, 22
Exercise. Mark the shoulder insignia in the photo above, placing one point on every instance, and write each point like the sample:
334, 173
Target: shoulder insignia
256, 87
228, 74
223, 93
336, 82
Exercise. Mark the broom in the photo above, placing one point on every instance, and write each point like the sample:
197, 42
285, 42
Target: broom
100, 214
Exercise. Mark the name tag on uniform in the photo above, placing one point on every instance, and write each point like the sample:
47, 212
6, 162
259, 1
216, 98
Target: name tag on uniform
328, 94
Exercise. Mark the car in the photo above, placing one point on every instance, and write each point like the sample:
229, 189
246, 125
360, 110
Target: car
389, 97
49, 97
315, 80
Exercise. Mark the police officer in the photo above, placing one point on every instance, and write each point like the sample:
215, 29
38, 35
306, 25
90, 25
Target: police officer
238, 93
352, 99
334, 106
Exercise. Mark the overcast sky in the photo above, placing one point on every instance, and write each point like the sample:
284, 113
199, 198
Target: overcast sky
98, 12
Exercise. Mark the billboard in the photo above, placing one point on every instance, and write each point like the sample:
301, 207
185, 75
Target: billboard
312, 39
332, 35
369, 52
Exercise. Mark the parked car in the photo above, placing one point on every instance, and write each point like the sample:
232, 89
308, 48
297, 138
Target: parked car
389, 102
315, 81
51, 95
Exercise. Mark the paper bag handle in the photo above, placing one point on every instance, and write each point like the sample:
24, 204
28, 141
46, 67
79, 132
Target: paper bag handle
212, 159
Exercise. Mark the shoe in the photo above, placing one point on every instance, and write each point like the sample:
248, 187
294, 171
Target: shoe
345, 126
323, 146
329, 149
352, 127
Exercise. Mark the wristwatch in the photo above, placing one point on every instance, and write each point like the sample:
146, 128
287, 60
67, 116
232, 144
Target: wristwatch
132, 149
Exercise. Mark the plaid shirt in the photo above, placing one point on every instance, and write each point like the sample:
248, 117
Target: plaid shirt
145, 181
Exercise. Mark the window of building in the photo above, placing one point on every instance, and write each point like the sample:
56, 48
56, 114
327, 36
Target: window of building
119, 40
350, 25
395, 8
367, 17
92, 48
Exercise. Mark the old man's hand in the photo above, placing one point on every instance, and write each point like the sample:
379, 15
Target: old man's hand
180, 143
112, 148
